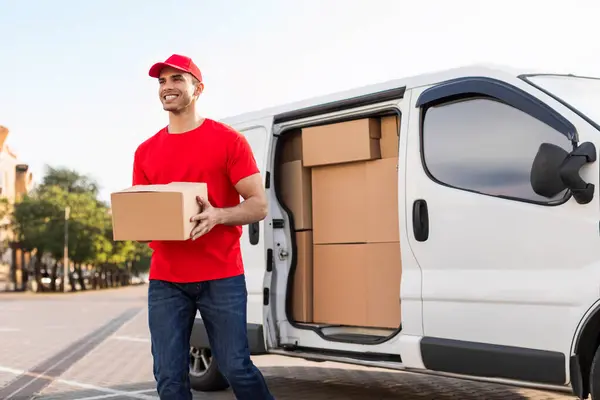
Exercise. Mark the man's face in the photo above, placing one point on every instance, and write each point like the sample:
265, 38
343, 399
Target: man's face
177, 90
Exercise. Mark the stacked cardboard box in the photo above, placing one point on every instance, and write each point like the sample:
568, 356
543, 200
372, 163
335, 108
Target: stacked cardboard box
349, 196
296, 194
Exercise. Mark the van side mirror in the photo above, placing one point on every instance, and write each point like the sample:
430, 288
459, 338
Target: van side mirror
555, 170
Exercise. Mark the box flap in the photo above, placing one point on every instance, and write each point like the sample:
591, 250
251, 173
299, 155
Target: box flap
170, 187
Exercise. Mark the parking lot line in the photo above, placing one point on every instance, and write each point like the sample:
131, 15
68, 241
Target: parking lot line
81, 385
8, 329
108, 396
130, 338
30, 382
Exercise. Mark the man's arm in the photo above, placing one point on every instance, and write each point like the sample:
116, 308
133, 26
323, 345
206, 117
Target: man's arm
243, 173
254, 208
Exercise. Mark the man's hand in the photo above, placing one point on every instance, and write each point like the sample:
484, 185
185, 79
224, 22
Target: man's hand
208, 217
254, 208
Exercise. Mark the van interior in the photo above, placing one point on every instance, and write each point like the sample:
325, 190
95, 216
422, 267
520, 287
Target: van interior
338, 183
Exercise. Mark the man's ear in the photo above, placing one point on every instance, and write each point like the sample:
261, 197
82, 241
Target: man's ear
199, 89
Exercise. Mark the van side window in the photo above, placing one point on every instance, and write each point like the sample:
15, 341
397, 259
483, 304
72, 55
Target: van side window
486, 146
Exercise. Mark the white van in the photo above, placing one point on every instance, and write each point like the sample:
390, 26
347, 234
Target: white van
491, 269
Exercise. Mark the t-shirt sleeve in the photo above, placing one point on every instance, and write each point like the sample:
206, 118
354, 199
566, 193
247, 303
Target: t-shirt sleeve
139, 177
240, 160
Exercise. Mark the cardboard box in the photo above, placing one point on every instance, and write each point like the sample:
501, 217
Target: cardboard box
384, 276
356, 202
357, 284
340, 292
291, 150
381, 189
302, 295
156, 212
389, 136
296, 193
342, 142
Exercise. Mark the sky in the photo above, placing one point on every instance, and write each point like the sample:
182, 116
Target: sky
75, 90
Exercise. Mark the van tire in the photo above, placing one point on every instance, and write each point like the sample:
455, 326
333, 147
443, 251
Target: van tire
204, 372
595, 376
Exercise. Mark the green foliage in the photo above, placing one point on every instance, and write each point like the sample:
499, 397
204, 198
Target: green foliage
5, 209
69, 180
39, 222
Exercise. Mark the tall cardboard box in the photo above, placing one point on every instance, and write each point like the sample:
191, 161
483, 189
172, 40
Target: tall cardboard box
388, 143
342, 142
302, 295
357, 284
156, 212
355, 202
296, 193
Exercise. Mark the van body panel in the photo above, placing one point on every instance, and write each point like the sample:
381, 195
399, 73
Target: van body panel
498, 265
410, 285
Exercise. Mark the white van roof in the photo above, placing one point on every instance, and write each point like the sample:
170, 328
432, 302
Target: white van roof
403, 83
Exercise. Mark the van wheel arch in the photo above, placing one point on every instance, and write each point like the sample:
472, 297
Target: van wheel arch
586, 349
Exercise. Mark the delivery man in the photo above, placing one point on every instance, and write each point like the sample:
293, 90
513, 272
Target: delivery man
203, 273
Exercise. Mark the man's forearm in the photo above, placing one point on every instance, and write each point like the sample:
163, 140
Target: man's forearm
247, 212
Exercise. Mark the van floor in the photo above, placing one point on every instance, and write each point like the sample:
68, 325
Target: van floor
352, 333
355, 337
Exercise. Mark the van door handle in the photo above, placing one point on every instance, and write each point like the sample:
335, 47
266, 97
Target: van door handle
420, 220
254, 233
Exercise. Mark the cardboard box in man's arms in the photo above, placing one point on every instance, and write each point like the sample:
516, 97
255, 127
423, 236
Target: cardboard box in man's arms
156, 212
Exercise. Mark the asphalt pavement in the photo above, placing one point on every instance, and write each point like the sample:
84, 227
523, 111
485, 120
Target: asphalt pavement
95, 345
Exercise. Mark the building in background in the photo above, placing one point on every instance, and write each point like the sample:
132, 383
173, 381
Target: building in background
15, 177
15, 181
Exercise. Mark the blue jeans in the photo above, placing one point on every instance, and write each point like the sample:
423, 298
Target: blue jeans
222, 305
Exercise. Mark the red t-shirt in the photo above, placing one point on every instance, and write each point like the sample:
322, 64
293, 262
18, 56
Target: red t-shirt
213, 153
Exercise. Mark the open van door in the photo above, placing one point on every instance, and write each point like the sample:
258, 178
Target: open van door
258, 132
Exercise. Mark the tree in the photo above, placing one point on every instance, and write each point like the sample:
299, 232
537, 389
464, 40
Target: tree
143, 254
5, 220
69, 180
39, 221
87, 240
5, 208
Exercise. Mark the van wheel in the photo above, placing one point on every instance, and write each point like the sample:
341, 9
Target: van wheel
204, 373
595, 376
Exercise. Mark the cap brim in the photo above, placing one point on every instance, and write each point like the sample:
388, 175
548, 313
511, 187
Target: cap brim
156, 68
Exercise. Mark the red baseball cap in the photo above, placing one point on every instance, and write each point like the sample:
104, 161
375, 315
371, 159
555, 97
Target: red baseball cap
179, 62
